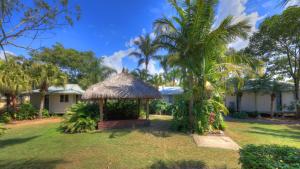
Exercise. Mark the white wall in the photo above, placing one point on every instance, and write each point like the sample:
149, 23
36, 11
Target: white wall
230, 99
287, 99
35, 100
55, 106
248, 102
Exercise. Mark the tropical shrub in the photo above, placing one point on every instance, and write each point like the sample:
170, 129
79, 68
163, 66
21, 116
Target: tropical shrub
45, 113
269, 157
180, 121
121, 109
27, 112
253, 114
81, 117
5, 117
158, 107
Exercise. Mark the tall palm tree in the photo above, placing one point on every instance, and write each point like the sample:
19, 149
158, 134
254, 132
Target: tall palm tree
196, 46
44, 76
147, 48
13, 81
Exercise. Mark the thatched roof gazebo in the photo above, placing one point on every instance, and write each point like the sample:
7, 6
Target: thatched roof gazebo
121, 86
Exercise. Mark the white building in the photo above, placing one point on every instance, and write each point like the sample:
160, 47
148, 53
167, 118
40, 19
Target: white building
58, 99
169, 92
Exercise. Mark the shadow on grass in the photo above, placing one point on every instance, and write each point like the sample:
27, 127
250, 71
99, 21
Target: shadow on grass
262, 121
14, 141
30, 164
284, 133
183, 164
157, 128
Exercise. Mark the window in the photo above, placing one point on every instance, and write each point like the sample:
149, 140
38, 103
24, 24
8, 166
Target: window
64, 98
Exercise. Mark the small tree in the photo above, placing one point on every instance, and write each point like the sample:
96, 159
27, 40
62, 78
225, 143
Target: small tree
13, 81
147, 48
44, 76
30, 20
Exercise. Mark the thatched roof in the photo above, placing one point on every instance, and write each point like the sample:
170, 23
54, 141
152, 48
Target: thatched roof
121, 86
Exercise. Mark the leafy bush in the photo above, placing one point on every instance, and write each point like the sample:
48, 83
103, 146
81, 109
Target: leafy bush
27, 112
269, 157
124, 109
180, 120
81, 117
45, 113
5, 117
239, 115
253, 114
158, 107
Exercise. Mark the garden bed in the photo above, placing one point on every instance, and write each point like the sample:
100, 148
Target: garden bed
117, 124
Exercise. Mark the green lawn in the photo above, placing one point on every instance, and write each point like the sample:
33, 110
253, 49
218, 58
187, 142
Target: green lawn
43, 146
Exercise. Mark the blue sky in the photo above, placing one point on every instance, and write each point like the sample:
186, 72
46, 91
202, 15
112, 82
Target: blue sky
107, 27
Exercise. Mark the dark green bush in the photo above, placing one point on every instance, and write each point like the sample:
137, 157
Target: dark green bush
27, 112
180, 121
269, 157
121, 109
239, 115
253, 114
5, 117
81, 117
158, 107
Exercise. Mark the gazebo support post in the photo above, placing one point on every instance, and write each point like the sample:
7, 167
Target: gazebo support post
101, 109
147, 109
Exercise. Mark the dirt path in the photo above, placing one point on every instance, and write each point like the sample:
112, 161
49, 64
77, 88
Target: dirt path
22, 123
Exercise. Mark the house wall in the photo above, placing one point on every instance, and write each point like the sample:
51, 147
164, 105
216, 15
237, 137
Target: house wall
263, 101
35, 100
248, 102
287, 99
55, 106
230, 101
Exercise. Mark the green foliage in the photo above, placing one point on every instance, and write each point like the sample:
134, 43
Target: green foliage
269, 157
121, 109
45, 113
80, 118
83, 68
158, 106
180, 121
26, 112
5, 117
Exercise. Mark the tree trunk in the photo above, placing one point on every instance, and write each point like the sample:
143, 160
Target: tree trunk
191, 101
7, 102
273, 96
238, 102
42, 104
14, 103
255, 101
296, 82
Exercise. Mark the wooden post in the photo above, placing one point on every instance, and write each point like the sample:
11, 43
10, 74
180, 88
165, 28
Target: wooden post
147, 109
101, 109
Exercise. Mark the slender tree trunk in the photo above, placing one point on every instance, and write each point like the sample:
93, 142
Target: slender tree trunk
7, 102
14, 102
238, 101
296, 82
273, 96
255, 101
191, 101
42, 104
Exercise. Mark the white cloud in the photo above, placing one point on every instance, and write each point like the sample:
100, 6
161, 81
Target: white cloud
7, 53
293, 3
237, 8
115, 60
153, 67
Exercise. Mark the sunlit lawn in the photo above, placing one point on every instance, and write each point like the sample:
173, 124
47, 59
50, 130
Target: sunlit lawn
43, 146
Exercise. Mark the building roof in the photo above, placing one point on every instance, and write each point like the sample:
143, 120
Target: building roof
67, 89
121, 86
170, 90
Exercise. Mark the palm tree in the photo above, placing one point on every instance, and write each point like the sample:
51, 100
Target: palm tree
156, 80
197, 47
13, 81
141, 74
44, 76
147, 48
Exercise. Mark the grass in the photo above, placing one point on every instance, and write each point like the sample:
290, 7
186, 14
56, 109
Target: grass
43, 146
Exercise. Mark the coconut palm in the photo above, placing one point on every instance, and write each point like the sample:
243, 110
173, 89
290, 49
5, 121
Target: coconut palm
13, 81
197, 47
146, 50
44, 76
